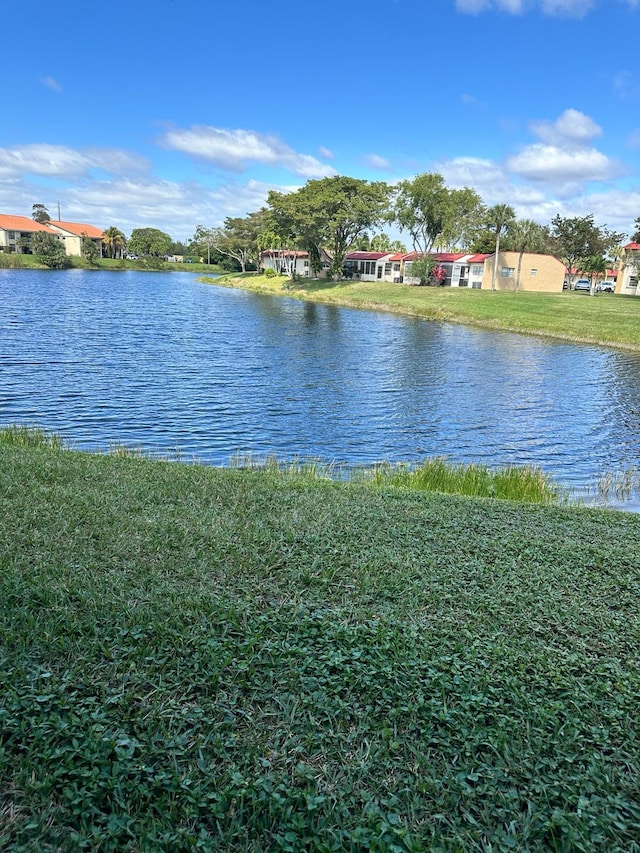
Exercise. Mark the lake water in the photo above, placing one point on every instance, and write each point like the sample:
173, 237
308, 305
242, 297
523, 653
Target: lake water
168, 364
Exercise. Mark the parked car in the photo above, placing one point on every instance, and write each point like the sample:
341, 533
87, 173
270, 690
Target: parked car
607, 287
582, 284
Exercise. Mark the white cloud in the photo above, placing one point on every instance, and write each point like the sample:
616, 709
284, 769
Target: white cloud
173, 207
550, 163
565, 156
233, 150
176, 208
375, 161
50, 83
489, 179
327, 153
568, 8
59, 161
538, 200
571, 128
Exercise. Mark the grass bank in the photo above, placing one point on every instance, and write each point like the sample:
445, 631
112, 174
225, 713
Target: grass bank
13, 261
197, 658
606, 319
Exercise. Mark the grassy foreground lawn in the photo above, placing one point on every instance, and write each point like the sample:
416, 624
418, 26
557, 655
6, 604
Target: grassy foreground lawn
607, 319
222, 660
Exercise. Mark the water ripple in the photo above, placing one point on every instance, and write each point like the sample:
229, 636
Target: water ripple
164, 362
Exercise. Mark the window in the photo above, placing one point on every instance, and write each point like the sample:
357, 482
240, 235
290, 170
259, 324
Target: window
507, 272
396, 267
534, 271
477, 270
306, 263
387, 268
11, 235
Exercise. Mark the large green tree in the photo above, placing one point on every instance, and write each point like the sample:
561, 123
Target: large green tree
149, 242
114, 241
635, 237
330, 213
579, 240
421, 208
465, 212
239, 238
433, 214
49, 250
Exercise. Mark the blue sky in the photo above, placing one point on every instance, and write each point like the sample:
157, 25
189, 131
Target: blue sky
177, 113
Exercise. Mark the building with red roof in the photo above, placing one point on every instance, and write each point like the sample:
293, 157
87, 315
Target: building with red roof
16, 233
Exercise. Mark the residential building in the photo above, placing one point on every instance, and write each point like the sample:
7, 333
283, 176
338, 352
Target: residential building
16, 233
461, 269
73, 234
366, 266
629, 270
291, 262
542, 273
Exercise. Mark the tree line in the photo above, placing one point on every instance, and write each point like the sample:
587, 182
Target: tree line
341, 214
332, 216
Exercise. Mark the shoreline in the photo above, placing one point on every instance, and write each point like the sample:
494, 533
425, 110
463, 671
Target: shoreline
438, 305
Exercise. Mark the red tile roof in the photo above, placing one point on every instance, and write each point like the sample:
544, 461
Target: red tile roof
632, 246
478, 259
448, 257
22, 223
366, 256
439, 257
78, 228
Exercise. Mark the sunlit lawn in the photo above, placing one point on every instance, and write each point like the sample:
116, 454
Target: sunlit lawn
196, 658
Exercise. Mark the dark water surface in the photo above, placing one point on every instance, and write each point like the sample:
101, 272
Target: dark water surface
167, 363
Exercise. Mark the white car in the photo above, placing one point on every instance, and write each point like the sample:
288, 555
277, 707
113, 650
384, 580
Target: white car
607, 287
582, 284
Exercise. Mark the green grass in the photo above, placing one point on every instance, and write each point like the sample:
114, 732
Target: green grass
606, 319
436, 474
526, 484
213, 659
14, 261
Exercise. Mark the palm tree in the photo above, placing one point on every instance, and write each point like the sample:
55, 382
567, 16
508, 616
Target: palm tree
525, 235
114, 240
499, 218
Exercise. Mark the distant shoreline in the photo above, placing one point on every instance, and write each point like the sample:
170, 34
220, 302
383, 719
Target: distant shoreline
608, 320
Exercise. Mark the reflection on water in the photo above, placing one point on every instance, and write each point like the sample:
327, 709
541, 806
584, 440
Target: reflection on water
165, 362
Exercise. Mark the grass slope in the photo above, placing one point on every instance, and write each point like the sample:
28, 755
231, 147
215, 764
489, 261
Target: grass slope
194, 658
606, 319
